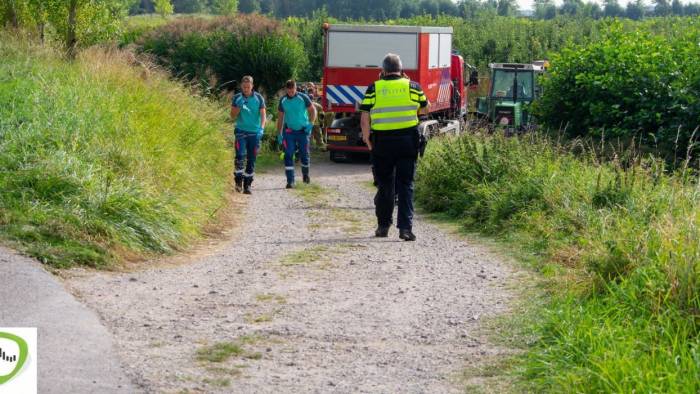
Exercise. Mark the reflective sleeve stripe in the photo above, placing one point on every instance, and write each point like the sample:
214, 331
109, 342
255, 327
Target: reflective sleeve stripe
417, 98
395, 119
368, 101
392, 109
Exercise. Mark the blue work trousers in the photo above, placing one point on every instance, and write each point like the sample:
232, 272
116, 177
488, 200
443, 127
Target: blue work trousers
247, 145
295, 141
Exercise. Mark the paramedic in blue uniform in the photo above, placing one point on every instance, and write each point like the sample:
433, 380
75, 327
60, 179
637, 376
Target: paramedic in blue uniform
248, 110
295, 118
390, 110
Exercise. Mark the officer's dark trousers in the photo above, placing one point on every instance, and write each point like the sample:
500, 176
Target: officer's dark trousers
394, 159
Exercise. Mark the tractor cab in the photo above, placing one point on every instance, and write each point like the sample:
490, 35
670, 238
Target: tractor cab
513, 87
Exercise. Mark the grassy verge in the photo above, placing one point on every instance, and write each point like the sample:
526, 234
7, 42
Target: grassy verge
620, 246
102, 161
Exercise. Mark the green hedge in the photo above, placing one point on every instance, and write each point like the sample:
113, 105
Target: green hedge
217, 52
636, 84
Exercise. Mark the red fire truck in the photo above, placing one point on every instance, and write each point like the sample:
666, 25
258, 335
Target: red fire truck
352, 60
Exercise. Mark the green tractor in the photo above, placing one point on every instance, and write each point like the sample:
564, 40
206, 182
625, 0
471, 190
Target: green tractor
513, 87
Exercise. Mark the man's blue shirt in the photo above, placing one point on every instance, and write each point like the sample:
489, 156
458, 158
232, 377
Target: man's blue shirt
250, 106
294, 109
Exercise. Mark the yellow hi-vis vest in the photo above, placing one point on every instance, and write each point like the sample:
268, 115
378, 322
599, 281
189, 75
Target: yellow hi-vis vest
393, 107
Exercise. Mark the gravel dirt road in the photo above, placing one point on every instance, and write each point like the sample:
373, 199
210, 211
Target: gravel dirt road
303, 298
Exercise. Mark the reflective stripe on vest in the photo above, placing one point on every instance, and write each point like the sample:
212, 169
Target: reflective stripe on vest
393, 108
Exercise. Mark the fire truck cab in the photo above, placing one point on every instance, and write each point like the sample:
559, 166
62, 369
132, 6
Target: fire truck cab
352, 61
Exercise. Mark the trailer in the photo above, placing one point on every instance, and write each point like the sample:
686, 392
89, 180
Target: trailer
352, 61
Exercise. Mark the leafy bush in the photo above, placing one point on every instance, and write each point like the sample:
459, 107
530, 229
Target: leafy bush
100, 160
629, 84
217, 52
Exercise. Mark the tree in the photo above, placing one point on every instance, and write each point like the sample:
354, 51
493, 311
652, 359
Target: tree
430, 7
662, 8
189, 6
85, 21
677, 8
545, 9
635, 10
409, 9
612, 9
506, 7
592, 10
249, 6
39, 14
142, 7
224, 7
691, 9
469, 8
448, 7
11, 11
163, 7
571, 7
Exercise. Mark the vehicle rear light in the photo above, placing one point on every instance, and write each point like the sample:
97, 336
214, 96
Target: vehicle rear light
333, 131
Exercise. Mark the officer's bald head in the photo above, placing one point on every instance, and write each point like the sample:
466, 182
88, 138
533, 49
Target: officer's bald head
391, 63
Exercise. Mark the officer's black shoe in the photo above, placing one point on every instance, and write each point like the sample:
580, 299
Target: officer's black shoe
239, 185
381, 232
290, 186
307, 179
407, 235
246, 190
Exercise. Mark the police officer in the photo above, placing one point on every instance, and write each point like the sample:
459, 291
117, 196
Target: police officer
390, 108
295, 118
248, 110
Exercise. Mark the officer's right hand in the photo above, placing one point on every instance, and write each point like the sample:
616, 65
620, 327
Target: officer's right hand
367, 142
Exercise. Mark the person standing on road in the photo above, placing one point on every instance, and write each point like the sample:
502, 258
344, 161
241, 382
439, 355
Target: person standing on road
296, 114
248, 110
390, 110
317, 133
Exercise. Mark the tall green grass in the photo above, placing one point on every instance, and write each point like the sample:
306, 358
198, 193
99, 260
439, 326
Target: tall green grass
102, 160
620, 241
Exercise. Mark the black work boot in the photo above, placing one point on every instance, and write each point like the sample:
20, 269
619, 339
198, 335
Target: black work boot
381, 231
290, 185
246, 186
307, 179
239, 185
406, 235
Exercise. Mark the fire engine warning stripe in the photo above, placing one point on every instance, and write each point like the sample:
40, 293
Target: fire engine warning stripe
345, 94
333, 96
357, 91
337, 95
